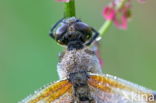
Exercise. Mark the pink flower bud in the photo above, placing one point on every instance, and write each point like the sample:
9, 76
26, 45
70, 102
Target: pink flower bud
108, 13
118, 16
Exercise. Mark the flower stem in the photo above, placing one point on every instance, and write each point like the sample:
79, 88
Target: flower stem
69, 9
107, 24
104, 28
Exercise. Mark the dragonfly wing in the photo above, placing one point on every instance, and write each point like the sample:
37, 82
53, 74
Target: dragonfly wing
110, 89
58, 92
66, 98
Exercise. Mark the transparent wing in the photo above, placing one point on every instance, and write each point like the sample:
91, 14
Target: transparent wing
109, 89
58, 92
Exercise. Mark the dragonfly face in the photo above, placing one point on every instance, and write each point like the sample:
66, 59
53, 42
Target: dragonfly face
73, 33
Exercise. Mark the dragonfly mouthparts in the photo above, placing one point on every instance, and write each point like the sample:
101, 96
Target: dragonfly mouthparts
75, 44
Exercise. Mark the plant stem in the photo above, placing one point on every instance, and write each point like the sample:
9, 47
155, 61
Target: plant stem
69, 9
104, 28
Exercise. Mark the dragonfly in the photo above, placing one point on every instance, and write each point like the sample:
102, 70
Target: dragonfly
81, 77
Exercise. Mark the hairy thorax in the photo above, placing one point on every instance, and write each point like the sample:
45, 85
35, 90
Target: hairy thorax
78, 60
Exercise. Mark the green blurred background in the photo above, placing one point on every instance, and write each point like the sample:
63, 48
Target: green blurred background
28, 56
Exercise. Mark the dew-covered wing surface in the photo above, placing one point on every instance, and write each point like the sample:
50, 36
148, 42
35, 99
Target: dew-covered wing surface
110, 89
58, 92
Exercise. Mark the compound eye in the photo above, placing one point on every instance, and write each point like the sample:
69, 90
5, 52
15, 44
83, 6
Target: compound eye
60, 31
84, 29
80, 26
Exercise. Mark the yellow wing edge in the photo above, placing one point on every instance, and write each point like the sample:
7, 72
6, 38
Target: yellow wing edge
49, 93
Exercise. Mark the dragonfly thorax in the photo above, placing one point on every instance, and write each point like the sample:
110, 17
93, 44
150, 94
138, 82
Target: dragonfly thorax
78, 60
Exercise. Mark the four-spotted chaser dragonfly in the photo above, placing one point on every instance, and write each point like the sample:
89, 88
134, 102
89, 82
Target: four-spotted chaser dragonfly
81, 78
